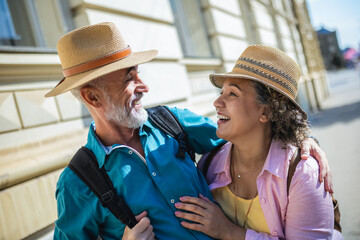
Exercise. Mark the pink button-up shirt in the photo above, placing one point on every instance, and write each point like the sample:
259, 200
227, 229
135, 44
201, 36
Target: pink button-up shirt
307, 213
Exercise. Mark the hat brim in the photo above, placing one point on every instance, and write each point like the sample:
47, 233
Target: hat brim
68, 83
218, 79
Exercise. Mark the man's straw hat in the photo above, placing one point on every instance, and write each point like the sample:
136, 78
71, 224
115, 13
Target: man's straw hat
266, 65
92, 51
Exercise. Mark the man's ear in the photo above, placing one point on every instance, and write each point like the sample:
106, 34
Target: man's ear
91, 96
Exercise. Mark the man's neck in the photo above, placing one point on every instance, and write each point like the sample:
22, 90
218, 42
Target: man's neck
110, 134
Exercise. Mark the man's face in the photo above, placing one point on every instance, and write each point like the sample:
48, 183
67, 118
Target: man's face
123, 101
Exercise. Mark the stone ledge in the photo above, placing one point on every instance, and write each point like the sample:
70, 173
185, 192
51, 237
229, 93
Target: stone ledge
23, 163
28, 207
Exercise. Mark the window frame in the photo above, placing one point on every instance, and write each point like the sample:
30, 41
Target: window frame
39, 38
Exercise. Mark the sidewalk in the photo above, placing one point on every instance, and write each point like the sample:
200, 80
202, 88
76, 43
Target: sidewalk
338, 129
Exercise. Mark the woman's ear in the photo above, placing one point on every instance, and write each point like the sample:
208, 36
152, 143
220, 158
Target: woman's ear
91, 96
265, 115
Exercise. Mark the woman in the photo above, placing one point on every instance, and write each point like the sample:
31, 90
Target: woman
264, 125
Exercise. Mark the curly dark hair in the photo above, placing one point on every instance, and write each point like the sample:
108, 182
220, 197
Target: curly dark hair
288, 123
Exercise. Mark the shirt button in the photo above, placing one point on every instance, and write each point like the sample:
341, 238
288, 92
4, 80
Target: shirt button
154, 174
130, 152
274, 234
263, 201
172, 200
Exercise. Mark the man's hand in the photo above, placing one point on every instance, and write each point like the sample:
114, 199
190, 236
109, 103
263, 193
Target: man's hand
142, 230
310, 147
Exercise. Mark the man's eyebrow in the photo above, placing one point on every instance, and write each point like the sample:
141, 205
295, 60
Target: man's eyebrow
130, 69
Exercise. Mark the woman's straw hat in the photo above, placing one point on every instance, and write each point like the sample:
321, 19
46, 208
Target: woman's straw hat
266, 65
92, 51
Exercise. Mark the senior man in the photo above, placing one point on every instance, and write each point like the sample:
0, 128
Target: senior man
101, 71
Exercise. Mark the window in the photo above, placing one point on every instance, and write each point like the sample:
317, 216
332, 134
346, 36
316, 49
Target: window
191, 27
264, 23
33, 25
278, 5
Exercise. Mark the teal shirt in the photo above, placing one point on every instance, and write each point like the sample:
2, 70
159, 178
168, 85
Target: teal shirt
155, 186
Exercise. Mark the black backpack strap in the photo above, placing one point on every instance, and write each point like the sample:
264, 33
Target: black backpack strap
209, 158
292, 167
167, 122
85, 165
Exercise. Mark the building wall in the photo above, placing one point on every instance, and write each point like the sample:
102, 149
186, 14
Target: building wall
330, 51
39, 135
314, 87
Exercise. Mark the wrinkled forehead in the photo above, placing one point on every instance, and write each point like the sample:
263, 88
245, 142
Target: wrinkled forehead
121, 73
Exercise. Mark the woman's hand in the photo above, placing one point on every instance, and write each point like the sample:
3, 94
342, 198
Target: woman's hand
142, 230
207, 217
310, 147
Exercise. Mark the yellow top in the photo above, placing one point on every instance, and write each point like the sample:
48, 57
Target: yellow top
256, 219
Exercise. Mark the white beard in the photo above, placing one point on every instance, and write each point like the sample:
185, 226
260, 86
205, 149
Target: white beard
120, 116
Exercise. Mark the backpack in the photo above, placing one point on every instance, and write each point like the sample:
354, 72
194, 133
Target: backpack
85, 165
292, 167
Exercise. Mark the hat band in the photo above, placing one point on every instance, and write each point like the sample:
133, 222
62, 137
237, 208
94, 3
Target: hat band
268, 67
97, 62
268, 76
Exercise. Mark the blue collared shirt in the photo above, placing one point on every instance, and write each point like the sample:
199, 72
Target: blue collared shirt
153, 183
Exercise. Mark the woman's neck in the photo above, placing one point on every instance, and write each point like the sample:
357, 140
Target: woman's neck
252, 153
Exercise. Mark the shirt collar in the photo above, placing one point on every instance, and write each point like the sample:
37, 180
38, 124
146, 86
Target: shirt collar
96, 146
147, 124
94, 143
222, 160
275, 161
277, 158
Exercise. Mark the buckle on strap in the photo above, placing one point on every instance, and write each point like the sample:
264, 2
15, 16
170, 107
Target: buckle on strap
107, 197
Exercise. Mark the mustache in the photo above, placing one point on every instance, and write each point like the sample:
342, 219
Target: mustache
135, 97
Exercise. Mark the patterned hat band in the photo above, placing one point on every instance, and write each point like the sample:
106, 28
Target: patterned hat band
262, 70
267, 65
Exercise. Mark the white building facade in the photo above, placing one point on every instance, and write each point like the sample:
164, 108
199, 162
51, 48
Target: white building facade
39, 135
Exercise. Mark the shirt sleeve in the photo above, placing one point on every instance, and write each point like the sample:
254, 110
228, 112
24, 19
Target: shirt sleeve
310, 213
75, 216
201, 131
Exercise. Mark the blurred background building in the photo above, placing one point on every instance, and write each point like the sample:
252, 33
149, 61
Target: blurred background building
39, 135
331, 53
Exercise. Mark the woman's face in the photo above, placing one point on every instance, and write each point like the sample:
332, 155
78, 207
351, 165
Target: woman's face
239, 113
